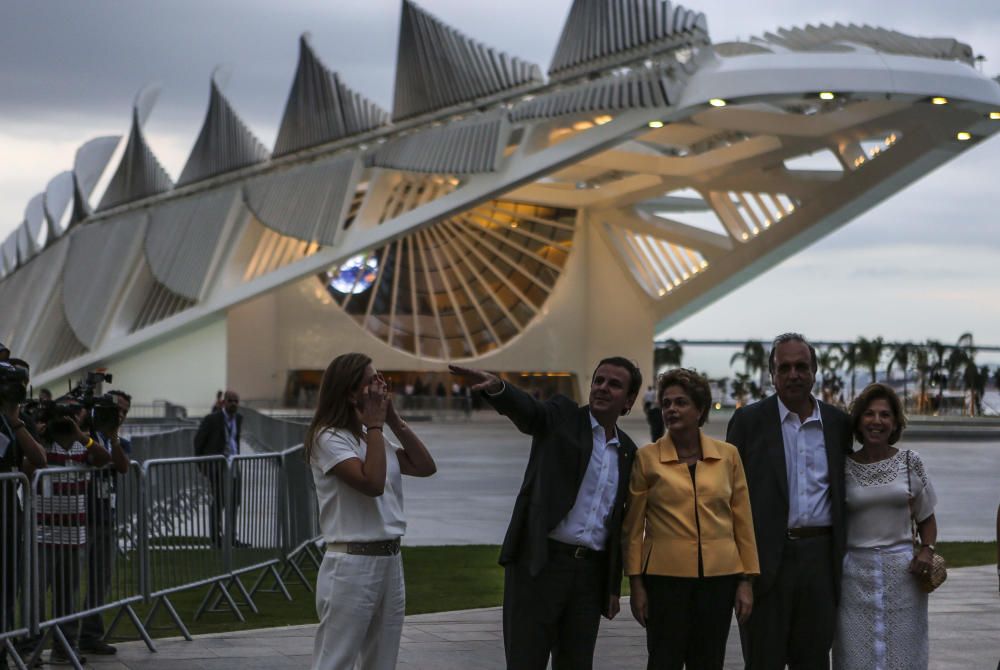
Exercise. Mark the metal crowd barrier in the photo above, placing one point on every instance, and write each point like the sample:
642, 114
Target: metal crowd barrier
15, 518
173, 443
270, 433
80, 542
302, 516
86, 558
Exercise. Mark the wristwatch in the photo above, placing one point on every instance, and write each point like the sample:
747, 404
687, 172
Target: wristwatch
929, 546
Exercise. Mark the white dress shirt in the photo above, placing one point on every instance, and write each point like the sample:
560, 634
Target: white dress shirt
586, 523
807, 468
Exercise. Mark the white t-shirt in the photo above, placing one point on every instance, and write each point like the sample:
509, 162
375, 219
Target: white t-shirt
878, 500
346, 514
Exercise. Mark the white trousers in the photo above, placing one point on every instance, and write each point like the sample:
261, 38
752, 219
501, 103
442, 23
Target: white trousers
360, 602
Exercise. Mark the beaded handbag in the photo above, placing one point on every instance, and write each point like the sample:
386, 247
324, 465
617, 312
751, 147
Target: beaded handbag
934, 577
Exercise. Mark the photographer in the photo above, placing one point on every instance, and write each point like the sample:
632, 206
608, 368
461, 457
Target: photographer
16, 440
62, 511
106, 417
18, 450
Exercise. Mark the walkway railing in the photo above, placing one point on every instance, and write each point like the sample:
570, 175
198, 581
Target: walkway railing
79, 542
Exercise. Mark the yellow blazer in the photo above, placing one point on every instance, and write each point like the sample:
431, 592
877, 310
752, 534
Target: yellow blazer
660, 531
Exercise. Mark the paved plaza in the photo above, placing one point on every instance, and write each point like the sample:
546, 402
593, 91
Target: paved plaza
480, 465
964, 629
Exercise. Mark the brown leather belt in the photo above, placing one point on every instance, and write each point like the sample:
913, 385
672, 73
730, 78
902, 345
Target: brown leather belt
808, 531
576, 551
378, 548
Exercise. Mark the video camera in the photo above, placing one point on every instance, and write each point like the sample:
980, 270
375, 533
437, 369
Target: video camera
13, 383
104, 408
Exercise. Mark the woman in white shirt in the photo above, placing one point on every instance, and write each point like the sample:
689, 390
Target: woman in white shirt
360, 595
882, 617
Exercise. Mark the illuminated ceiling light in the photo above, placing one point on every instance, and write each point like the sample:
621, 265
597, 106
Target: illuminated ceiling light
513, 224
601, 120
963, 136
827, 95
656, 124
939, 100
704, 264
745, 236
995, 116
662, 292
717, 102
582, 125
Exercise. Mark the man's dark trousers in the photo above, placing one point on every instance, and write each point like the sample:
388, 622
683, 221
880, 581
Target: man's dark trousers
795, 597
798, 608
557, 612
100, 564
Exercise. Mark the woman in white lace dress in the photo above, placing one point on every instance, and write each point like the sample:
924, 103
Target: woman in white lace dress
882, 618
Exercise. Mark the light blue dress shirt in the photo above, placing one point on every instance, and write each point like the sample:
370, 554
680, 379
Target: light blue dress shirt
807, 468
586, 523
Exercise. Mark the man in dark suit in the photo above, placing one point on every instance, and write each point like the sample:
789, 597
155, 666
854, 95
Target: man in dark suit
793, 448
219, 435
562, 552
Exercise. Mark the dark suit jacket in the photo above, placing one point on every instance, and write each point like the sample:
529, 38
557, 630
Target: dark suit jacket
561, 445
210, 440
755, 430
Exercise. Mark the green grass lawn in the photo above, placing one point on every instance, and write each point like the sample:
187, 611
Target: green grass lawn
437, 579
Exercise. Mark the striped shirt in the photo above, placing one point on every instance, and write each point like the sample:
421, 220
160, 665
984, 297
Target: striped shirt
62, 500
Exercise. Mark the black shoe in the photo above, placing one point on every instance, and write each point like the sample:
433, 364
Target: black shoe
58, 657
98, 648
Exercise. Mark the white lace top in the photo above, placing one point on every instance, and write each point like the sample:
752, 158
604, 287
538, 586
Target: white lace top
878, 510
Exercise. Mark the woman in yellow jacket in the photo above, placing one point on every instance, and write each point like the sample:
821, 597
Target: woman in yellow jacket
689, 545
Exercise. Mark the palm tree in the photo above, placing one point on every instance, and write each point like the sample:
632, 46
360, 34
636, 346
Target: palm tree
901, 354
830, 383
870, 354
741, 388
721, 383
667, 354
754, 359
938, 368
975, 379
922, 364
849, 361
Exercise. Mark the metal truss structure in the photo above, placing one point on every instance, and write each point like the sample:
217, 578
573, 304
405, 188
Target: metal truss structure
443, 228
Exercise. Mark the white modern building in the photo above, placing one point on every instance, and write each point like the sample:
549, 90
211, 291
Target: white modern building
529, 224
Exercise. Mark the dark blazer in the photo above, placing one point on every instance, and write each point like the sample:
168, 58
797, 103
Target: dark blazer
755, 430
210, 440
561, 445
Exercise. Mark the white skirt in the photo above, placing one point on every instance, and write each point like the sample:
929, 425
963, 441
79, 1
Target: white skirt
882, 618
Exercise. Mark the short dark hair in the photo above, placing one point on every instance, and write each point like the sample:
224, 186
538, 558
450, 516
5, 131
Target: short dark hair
121, 394
635, 374
695, 385
792, 337
870, 394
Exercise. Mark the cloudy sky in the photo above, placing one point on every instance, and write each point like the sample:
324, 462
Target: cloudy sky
923, 264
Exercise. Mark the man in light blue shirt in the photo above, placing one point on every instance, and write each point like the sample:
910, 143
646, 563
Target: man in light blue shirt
793, 448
